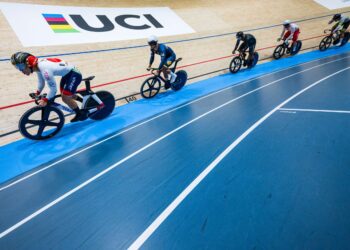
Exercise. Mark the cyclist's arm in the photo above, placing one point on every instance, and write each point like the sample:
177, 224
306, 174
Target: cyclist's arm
151, 60
162, 60
41, 83
337, 27
284, 29
51, 83
237, 44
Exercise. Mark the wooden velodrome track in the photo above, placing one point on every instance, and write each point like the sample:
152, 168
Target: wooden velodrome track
205, 17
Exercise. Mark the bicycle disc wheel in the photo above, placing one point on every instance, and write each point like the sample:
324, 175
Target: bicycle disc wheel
345, 39
180, 81
278, 52
150, 87
325, 43
297, 48
40, 123
235, 64
255, 60
108, 101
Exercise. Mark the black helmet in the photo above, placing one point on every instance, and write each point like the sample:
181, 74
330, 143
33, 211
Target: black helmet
336, 17
19, 57
239, 34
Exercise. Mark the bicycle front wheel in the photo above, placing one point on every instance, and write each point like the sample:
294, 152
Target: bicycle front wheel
150, 87
40, 123
235, 64
279, 51
325, 43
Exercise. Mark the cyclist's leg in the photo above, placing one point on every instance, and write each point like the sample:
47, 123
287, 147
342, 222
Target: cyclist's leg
69, 84
242, 49
334, 27
251, 47
170, 60
295, 39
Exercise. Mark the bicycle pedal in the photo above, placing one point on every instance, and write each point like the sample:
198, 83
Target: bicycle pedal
167, 85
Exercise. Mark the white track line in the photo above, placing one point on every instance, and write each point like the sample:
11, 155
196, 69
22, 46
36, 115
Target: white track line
318, 110
155, 117
72, 191
162, 217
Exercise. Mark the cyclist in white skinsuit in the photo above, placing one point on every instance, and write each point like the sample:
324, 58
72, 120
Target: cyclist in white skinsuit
290, 31
46, 70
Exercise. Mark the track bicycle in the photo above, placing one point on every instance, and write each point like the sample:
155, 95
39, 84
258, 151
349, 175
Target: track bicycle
332, 38
152, 85
286, 48
242, 60
40, 123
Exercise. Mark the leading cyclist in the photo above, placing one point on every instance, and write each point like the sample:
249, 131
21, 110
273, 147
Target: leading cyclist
46, 69
342, 24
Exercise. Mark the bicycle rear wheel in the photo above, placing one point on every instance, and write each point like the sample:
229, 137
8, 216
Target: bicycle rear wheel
345, 39
255, 60
296, 49
40, 123
108, 101
180, 81
150, 87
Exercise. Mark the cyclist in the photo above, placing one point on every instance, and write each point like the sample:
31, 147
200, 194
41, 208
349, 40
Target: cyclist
290, 31
249, 42
46, 69
167, 58
342, 24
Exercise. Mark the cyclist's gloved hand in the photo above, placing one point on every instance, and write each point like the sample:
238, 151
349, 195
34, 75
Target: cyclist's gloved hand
149, 68
278, 39
43, 102
233, 51
34, 94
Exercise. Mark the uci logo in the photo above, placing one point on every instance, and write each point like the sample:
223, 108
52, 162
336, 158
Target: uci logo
60, 25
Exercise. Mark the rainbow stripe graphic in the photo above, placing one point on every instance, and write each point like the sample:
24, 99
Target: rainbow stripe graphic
58, 23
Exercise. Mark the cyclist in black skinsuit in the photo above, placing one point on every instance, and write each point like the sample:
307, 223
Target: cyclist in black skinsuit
249, 42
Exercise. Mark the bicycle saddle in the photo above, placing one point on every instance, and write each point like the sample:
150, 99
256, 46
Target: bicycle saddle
88, 78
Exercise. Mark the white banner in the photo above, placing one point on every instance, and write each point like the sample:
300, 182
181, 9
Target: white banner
334, 4
41, 25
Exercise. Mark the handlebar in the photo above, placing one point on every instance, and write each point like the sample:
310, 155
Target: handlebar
37, 98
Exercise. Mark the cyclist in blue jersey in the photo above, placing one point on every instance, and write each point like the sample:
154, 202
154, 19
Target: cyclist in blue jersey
167, 58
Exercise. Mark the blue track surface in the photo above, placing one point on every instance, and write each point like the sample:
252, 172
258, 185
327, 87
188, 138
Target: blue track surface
283, 185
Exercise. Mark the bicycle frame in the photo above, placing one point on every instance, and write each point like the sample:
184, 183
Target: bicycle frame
85, 98
86, 94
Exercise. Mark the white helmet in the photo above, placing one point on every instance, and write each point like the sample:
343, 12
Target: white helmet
152, 40
286, 22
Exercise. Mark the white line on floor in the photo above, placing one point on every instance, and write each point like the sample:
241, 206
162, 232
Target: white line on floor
316, 110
